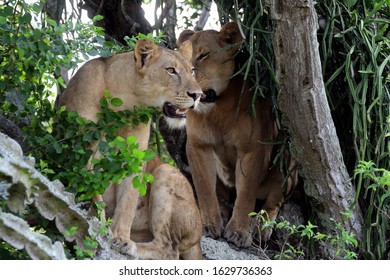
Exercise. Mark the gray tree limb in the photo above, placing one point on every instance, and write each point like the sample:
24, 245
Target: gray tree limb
22, 185
204, 15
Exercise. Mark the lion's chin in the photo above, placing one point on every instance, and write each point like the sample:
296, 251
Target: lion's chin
174, 116
175, 123
173, 112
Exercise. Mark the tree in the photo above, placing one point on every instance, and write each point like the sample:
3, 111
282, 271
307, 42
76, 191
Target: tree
304, 104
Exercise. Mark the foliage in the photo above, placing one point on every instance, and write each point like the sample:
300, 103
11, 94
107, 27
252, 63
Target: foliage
64, 153
299, 239
34, 48
355, 48
378, 211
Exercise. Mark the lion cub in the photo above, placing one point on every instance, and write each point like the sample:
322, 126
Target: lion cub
155, 77
225, 144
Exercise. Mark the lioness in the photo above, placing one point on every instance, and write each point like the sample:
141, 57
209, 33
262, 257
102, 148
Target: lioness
156, 77
228, 146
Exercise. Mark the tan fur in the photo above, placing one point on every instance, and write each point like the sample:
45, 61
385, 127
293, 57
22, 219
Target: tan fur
149, 76
229, 147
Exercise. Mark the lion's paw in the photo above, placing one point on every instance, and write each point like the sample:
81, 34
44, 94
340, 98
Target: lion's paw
212, 231
126, 247
240, 238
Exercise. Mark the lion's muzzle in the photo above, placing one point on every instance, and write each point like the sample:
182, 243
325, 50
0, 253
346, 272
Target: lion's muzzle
173, 111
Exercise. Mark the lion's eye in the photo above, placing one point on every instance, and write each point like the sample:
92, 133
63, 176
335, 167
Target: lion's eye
203, 56
171, 70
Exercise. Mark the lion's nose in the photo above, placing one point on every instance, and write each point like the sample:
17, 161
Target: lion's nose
195, 95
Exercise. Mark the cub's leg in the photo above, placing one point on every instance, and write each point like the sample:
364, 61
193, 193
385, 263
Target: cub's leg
204, 174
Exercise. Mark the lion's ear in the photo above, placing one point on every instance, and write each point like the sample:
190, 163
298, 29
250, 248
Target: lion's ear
145, 52
230, 34
186, 50
184, 36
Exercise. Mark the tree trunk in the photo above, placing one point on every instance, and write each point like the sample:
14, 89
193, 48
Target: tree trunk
303, 101
167, 22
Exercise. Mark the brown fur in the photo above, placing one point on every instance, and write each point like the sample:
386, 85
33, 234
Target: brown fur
229, 147
149, 76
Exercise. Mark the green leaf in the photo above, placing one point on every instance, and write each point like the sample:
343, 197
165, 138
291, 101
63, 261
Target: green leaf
90, 243
80, 120
95, 161
71, 232
149, 155
148, 178
116, 102
103, 103
139, 154
25, 19
107, 94
51, 22
131, 140
140, 186
97, 18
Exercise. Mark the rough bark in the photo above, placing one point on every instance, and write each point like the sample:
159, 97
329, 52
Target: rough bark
166, 22
303, 102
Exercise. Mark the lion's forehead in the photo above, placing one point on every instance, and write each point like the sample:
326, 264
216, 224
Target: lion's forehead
205, 41
172, 58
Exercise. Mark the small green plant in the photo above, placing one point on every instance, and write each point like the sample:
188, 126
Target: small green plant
378, 211
90, 243
341, 243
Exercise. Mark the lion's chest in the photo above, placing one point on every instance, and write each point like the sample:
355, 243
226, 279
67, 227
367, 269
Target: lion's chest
225, 161
222, 138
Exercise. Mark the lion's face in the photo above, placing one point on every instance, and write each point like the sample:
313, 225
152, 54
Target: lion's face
213, 59
166, 80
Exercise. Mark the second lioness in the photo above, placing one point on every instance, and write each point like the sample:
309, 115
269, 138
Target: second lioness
156, 77
225, 143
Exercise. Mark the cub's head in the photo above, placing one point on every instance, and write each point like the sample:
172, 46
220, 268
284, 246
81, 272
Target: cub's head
213, 59
165, 79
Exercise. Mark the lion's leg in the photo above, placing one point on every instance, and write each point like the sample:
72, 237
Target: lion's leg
274, 199
194, 253
125, 209
174, 219
204, 174
96, 198
273, 186
161, 199
248, 179
153, 250
126, 195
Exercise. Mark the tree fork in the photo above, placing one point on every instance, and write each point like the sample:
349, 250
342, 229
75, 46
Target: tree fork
303, 102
